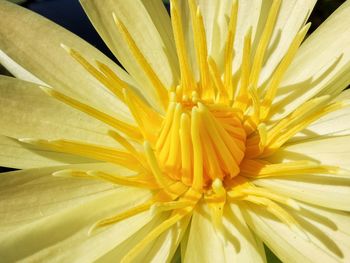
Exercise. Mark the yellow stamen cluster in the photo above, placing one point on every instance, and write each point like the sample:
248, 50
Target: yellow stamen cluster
209, 145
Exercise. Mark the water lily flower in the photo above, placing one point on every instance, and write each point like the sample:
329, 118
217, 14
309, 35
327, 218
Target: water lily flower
224, 131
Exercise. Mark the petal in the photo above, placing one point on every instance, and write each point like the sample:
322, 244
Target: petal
237, 243
326, 191
292, 16
32, 194
333, 124
23, 156
62, 236
17, 70
321, 62
326, 230
327, 150
149, 25
160, 250
33, 42
29, 112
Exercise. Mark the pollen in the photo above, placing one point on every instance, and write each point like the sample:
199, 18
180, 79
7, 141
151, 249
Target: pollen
210, 142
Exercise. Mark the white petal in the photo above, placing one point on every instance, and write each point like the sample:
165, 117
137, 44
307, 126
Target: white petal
206, 245
148, 23
285, 243
34, 42
321, 63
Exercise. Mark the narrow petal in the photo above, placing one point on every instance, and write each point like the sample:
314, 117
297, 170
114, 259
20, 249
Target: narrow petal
34, 42
324, 228
152, 33
321, 62
235, 244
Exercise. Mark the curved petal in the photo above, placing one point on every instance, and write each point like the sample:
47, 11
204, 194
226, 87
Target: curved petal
34, 42
149, 25
237, 243
19, 155
322, 61
63, 236
327, 236
17, 70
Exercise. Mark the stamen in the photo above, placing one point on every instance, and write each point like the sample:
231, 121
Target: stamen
197, 151
277, 76
263, 43
157, 84
200, 43
166, 224
96, 152
126, 128
147, 119
94, 72
215, 73
260, 169
186, 149
187, 81
243, 95
279, 212
161, 179
229, 50
134, 181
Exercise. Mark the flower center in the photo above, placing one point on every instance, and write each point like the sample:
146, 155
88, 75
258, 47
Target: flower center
200, 139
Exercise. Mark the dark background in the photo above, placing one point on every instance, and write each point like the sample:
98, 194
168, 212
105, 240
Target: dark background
69, 14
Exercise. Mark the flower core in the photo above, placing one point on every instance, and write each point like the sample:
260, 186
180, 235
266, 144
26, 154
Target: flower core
208, 139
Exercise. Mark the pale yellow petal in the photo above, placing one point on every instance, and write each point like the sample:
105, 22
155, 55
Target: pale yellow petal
63, 236
121, 248
34, 43
28, 112
18, 71
285, 243
327, 150
152, 32
32, 194
321, 63
292, 16
326, 191
235, 244
333, 124
23, 156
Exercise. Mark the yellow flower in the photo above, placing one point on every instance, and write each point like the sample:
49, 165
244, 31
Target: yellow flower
220, 135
